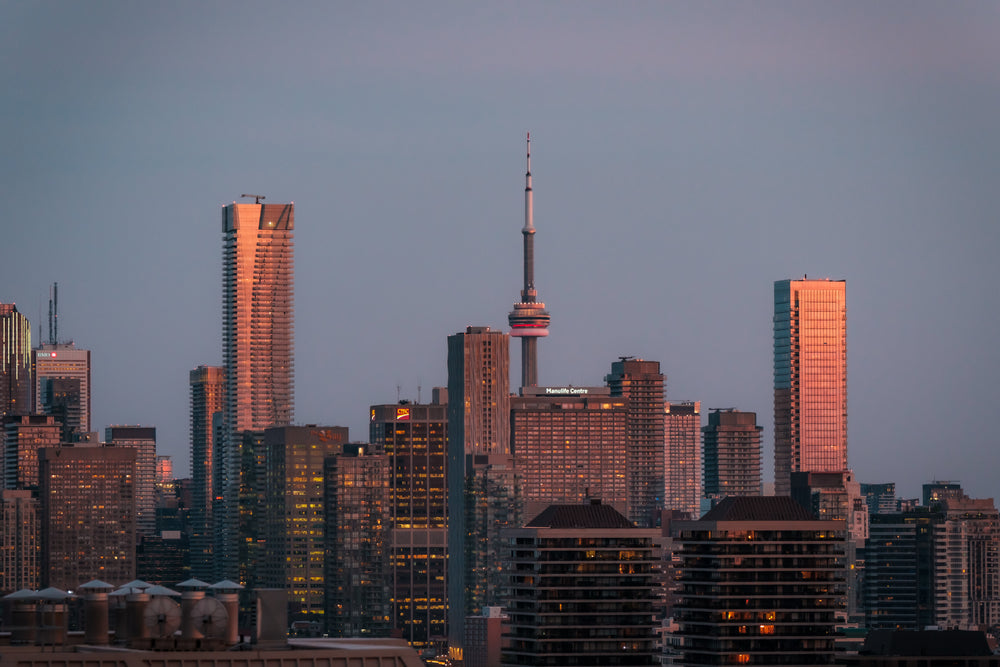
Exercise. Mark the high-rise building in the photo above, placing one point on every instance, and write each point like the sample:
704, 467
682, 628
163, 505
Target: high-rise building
727, 616
584, 589
881, 498
732, 454
88, 529
62, 386
357, 539
414, 440
682, 457
641, 383
482, 484
810, 378
208, 391
569, 446
529, 320
19, 550
143, 440
257, 349
23, 436
15, 362
294, 517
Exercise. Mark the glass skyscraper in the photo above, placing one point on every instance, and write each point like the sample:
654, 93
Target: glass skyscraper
810, 378
257, 347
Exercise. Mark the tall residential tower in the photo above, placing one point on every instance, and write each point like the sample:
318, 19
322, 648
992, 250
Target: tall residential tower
529, 320
257, 346
810, 378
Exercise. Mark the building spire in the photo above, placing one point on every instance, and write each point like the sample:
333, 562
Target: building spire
529, 220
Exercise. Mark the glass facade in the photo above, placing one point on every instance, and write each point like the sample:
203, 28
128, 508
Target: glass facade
810, 378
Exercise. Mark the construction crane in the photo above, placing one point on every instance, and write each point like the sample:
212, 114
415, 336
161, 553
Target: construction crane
257, 198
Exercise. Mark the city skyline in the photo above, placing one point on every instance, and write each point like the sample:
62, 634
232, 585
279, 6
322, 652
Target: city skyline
685, 158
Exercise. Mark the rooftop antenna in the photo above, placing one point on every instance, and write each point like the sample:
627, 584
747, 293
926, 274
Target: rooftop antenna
256, 198
54, 314
418, 394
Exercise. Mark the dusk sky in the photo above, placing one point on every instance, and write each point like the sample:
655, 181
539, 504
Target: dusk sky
684, 155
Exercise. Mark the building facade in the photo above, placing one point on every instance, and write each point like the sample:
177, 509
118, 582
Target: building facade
584, 589
569, 446
482, 485
642, 384
761, 582
732, 454
143, 440
23, 436
88, 514
414, 439
257, 349
294, 520
357, 541
682, 471
810, 378
208, 395
19, 548
61, 386
15, 362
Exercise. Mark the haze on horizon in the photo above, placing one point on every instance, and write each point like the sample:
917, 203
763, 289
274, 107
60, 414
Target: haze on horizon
685, 156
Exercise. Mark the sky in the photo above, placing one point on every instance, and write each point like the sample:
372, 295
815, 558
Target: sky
685, 155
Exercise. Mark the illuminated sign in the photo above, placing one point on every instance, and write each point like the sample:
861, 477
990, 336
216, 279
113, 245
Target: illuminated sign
402, 414
46, 354
566, 391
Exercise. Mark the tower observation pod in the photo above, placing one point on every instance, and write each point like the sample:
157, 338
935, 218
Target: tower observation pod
529, 320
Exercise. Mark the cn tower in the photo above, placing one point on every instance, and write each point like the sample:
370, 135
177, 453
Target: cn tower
529, 320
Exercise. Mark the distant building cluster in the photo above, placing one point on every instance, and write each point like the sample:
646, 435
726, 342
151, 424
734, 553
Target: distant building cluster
538, 525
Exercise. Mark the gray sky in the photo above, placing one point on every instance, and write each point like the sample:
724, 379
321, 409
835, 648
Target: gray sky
685, 156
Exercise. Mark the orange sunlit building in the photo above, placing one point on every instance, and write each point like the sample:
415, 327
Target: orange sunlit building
810, 378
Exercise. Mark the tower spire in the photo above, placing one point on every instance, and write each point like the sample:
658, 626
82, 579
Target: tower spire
529, 320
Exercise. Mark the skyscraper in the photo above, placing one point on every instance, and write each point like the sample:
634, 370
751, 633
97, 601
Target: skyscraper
257, 342
208, 391
732, 454
87, 500
143, 440
23, 436
682, 457
810, 378
414, 439
570, 445
62, 386
641, 382
529, 320
482, 487
15, 362
294, 514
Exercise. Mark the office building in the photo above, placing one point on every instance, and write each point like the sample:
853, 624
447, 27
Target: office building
810, 378
414, 439
88, 514
892, 577
732, 454
642, 384
726, 616
682, 470
19, 548
15, 362
529, 320
881, 498
294, 515
23, 436
939, 490
482, 484
208, 395
583, 591
357, 539
569, 446
257, 349
484, 638
61, 386
143, 440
